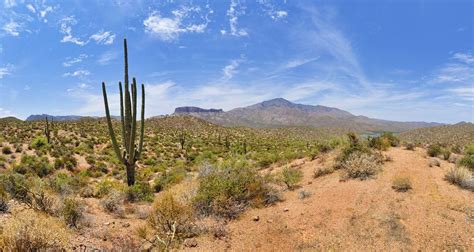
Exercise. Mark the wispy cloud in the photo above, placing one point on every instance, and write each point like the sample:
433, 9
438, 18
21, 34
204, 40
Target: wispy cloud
272, 11
187, 19
71, 61
5, 70
9, 3
231, 69
103, 37
66, 29
106, 57
460, 70
5, 112
12, 28
78, 73
235, 10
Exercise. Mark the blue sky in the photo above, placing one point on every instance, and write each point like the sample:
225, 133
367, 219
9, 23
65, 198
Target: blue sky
395, 60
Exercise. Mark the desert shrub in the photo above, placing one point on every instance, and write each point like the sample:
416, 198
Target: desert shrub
467, 161
361, 165
226, 190
140, 191
170, 213
355, 146
113, 201
105, 186
266, 159
446, 153
33, 164
434, 150
290, 177
469, 149
71, 211
322, 171
391, 138
410, 146
6, 150
303, 194
39, 143
31, 231
401, 184
378, 143
70, 162
461, 176
4, 204
174, 176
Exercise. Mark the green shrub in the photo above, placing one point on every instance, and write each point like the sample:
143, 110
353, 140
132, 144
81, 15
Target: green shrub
39, 143
469, 149
71, 211
34, 164
226, 190
113, 201
410, 146
434, 150
140, 191
290, 177
322, 171
378, 143
174, 176
6, 150
468, 161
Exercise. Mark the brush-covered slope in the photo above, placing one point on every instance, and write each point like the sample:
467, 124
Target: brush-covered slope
457, 134
282, 113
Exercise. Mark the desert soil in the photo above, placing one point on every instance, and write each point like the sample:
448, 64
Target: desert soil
360, 215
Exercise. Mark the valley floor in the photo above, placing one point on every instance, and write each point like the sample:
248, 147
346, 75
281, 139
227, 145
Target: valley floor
360, 215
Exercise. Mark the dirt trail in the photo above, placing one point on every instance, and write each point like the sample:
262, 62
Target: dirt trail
361, 215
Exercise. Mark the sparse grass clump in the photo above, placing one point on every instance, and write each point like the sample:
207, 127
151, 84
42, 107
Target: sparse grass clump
410, 146
290, 177
31, 231
461, 176
322, 171
6, 150
402, 184
71, 211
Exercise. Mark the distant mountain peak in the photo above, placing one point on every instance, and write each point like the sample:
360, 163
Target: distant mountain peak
189, 109
278, 102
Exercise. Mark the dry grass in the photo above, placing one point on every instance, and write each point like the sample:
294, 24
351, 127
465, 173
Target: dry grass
32, 231
361, 166
402, 183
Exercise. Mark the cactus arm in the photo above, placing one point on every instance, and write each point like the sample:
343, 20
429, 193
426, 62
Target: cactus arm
122, 119
132, 149
109, 124
142, 133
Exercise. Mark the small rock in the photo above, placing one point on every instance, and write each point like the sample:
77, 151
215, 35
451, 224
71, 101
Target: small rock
256, 218
107, 223
147, 246
433, 162
269, 221
310, 182
126, 225
190, 243
286, 210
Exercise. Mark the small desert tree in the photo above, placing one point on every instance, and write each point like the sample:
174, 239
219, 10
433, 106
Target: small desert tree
128, 114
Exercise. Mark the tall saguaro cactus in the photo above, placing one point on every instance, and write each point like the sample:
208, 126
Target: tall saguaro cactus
47, 131
128, 153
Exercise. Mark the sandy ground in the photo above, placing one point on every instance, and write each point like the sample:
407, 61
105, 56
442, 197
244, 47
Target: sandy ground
361, 215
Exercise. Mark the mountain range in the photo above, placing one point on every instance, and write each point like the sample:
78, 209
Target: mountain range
280, 113
283, 113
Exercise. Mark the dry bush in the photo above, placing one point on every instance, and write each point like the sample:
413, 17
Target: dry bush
361, 165
290, 177
401, 184
461, 176
322, 171
172, 212
113, 201
32, 231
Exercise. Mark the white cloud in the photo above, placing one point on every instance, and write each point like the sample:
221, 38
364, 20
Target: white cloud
184, 20
464, 57
103, 37
272, 11
71, 61
229, 70
299, 62
6, 70
106, 57
13, 28
235, 10
9, 3
5, 113
466, 92
66, 29
31, 8
78, 73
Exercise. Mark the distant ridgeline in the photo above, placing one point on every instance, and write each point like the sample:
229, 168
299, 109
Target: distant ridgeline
187, 110
63, 118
